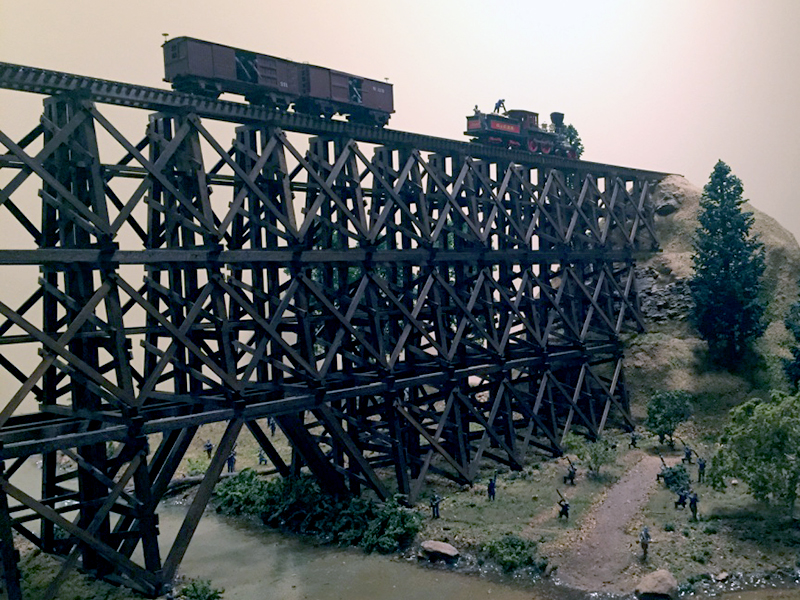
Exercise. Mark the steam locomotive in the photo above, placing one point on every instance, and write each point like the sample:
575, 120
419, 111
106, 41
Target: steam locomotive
208, 69
517, 129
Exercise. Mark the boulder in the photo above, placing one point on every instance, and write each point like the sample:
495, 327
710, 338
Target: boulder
434, 550
658, 584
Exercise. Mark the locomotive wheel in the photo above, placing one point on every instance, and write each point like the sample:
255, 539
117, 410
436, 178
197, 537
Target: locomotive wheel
533, 146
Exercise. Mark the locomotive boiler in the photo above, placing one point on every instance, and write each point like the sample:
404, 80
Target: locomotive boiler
208, 69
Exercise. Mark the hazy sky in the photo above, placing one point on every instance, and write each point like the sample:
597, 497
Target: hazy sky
667, 85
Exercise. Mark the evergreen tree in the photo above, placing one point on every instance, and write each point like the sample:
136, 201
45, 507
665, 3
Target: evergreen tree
728, 266
791, 366
574, 139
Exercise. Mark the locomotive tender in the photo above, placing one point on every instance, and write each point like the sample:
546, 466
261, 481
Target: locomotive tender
208, 69
520, 129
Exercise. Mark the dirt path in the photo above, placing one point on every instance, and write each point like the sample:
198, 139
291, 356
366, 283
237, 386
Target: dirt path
603, 555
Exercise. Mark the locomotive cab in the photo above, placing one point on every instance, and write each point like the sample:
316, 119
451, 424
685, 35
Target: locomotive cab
529, 121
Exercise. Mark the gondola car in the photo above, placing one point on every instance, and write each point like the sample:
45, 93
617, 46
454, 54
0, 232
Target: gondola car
208, 69
520, 129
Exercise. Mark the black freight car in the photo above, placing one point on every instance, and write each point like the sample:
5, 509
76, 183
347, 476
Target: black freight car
520, 129
208, 69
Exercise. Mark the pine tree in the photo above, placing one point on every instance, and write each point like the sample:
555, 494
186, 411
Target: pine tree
574, 139
791, 366
728, 266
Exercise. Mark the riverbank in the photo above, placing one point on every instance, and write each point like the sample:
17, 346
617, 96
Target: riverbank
735, 542
734, 545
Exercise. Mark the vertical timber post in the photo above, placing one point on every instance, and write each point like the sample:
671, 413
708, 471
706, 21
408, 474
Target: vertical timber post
9, 557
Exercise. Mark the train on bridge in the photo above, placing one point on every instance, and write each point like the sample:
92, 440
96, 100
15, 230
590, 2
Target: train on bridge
209, 69
520, 129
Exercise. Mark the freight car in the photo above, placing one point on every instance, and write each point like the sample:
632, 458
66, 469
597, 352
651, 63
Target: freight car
208, 69
520, 129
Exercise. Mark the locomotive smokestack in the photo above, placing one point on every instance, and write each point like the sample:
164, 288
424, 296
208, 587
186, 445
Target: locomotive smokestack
557, 119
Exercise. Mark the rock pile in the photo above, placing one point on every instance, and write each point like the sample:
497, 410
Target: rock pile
660, 300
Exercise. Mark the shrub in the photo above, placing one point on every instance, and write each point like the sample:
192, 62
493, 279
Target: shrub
244, 493
513, 552
665, 411
298, 505
393, 528
677, 478
200, 589
669, 526
594, 454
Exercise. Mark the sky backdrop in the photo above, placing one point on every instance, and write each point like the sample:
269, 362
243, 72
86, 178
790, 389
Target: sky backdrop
666, 85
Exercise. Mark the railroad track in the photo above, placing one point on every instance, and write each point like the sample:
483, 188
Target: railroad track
103, 91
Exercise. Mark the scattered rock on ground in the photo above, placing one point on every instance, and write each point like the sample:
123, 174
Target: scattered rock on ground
658, 584
434, 550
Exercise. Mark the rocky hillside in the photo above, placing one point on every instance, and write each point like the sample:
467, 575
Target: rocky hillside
670, 355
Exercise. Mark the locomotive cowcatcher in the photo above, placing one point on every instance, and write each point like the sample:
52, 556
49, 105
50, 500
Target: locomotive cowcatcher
520, 129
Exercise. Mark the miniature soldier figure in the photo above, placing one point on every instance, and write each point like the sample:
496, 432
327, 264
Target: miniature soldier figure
499, 104
681, 501
634, 439
570, 476
262, 459
435, 500
492, 489
693, 505
663, 474
687, 455
701, 469
232, 461
208, 447
271, 423
564, 512
644, 540
477, 112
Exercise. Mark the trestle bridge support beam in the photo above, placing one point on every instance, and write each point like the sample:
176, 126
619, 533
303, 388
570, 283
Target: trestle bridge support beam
401, 305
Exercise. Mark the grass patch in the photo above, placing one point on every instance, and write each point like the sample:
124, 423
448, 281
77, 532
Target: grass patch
38, 570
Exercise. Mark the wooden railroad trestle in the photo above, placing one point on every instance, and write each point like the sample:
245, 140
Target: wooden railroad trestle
400, 308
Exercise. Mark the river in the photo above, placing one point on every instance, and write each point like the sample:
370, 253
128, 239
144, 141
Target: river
258, 564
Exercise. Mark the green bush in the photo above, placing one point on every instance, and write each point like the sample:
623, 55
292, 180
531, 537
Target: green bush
512, 552
669, 527
393, 528
677, 478
242, 494
200, 589
665, 411
298, 505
